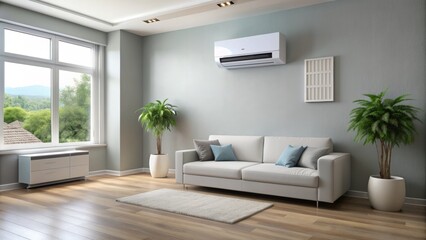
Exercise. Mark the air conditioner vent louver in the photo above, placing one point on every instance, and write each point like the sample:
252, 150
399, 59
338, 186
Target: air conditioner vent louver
246, 57
254, 51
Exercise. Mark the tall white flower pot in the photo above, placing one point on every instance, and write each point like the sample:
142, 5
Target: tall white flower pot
386, 194
159, 165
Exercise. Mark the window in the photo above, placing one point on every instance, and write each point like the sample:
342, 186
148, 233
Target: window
74, 106
49, 88
27, 44
26, 104
75, 54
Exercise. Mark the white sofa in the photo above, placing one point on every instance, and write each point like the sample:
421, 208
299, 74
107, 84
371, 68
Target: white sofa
255, 171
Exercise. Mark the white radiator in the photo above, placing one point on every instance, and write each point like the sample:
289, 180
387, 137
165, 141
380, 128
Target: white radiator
46, 168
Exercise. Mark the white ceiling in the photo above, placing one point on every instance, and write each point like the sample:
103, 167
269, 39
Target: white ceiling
111, 15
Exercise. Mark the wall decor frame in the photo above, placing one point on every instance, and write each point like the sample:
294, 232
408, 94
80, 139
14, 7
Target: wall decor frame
319, 79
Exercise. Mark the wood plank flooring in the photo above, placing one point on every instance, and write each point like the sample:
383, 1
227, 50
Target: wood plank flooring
88, 210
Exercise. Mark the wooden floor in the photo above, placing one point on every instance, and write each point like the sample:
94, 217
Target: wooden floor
87, 210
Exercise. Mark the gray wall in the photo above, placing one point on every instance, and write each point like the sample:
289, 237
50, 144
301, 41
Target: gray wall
113, 100
123, 98
131, 99
377, 45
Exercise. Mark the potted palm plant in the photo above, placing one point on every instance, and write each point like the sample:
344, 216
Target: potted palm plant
386, 123
157, 117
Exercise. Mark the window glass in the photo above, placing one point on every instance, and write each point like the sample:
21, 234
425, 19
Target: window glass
74, 106
75, 54
27, 101
27, 44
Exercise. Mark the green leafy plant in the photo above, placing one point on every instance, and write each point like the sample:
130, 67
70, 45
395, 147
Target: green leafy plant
157, 117
12, 114
385, 123
39, 124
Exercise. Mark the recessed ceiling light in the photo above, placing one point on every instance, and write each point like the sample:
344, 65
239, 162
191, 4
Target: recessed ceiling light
225, 4
152, 20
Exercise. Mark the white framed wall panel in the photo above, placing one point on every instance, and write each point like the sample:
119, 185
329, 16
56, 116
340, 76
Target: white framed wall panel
319, 79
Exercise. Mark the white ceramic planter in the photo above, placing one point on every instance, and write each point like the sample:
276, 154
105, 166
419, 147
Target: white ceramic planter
386, 194
159, 165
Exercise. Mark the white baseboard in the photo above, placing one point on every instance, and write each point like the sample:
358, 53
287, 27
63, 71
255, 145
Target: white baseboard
357, 194
123, 173
117, 173
13, 186
408, 200
10, 186
415, 201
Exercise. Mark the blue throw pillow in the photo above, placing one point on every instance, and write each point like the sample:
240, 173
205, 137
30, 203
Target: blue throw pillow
290, 156
223, 153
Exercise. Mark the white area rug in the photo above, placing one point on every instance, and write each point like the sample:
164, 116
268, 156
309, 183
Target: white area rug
222, 209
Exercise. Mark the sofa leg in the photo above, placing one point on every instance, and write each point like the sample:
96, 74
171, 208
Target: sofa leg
317, 204
184, 187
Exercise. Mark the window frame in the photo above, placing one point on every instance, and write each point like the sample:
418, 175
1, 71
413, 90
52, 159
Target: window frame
96, 124
5, 26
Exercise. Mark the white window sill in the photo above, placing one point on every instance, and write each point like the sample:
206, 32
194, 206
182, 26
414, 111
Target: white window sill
51, 149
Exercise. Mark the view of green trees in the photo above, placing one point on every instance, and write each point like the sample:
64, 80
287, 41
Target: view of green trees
34, 112
38, 123
14, 113
74, 111
26, 102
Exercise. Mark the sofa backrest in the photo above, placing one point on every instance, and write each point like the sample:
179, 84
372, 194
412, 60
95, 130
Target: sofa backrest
274, 146
246, 148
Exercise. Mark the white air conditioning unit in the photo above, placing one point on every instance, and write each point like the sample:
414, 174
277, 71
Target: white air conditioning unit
255, 51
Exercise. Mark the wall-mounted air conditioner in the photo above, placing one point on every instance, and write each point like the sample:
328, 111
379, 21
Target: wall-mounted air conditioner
255, 51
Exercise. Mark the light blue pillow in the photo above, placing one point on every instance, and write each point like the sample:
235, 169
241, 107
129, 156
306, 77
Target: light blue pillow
223, 153
290, 156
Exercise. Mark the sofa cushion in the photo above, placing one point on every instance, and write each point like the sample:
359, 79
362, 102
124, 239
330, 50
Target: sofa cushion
271, 173
274, 146
290, 156
221, 169
310, 157
223, 153
246, 148
203, 149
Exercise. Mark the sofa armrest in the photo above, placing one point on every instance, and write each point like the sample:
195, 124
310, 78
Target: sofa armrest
334, 172
182, 157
